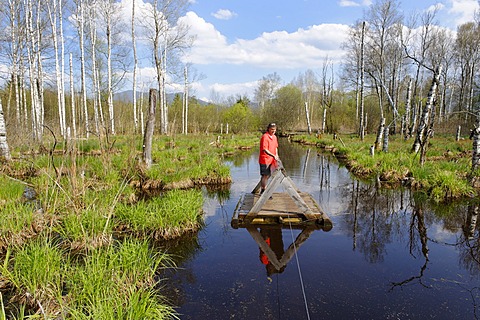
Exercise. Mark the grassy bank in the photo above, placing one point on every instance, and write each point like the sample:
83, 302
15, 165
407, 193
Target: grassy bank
443, 177
79, 221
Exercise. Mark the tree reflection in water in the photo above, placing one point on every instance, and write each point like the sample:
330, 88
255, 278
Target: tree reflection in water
378, 216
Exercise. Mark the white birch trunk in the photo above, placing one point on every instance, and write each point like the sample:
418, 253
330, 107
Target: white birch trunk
408, 108
362, 84
135, 66
33, 69
163, 92
52, 14
62, 69
4, 150
324, 120
39, 86
96, 88
109, 68
422, 134
72, 97
82, 63
185, 103
308, 118
14, 6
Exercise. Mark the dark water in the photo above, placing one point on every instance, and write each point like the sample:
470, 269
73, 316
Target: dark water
389, 255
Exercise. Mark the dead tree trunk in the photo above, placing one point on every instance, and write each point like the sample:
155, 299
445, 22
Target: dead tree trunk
309, 128
150, 126
381, 127
408, 108
4, 150
476, 146
386, 132
424, 126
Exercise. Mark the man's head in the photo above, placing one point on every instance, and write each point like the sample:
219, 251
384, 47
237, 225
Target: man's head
271, 128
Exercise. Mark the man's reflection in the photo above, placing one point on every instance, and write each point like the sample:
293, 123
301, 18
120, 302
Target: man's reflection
273, 238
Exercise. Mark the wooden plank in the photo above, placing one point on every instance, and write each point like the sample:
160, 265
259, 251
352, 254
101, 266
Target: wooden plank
266, 195
281, 210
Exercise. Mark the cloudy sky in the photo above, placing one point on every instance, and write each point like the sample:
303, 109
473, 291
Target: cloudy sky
240, 41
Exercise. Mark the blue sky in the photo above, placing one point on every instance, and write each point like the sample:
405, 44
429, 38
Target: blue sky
240, 41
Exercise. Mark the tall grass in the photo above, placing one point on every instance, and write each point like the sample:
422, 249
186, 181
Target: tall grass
36, 270
117, 282
62, 259
164, 216
443, 176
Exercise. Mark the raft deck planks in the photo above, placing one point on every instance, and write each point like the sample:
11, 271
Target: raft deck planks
281, 209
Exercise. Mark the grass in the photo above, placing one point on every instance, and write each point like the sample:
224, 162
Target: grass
82, 249
444, 176
163, 217
117, 282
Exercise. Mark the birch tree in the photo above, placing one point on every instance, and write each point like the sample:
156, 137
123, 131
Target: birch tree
361, 95
72, 97
107, 10
14, 17
423, 131
135, 66
185, 104
4, 150
54, 8
168, 36
79, 22
33, 46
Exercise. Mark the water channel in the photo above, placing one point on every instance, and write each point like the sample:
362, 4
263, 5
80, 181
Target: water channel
390, 254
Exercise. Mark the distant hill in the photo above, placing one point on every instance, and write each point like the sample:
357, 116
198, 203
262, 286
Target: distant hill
127, 96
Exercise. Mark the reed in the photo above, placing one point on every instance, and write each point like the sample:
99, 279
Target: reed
445, 174
165, 216
117, 282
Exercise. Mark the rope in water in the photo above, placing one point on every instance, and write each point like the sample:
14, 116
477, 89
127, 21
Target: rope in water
299, 272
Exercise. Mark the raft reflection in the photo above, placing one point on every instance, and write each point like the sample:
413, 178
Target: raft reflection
270, 242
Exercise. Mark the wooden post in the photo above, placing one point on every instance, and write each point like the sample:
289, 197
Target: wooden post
150, 126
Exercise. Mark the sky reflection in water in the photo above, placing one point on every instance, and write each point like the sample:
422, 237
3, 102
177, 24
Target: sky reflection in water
390, 254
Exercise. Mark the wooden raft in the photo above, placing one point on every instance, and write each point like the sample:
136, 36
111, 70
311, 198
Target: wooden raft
291, 208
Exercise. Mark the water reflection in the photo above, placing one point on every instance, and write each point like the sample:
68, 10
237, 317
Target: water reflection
392, 253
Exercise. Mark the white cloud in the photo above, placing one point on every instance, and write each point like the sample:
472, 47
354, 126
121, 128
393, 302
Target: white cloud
436, 7
351, 3
348, 3
224, 14
227, 89
278, 49
463, 10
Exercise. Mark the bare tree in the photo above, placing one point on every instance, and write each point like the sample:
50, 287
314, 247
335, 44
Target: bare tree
266, 89
361, 91
185, 104
468, 56
168, 37
33, 46
79, 22
426, 120
54, 8
107, 10
72, 97
135, 66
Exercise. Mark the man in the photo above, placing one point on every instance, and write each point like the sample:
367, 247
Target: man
268, 154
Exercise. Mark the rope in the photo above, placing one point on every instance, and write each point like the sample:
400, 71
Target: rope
299, 272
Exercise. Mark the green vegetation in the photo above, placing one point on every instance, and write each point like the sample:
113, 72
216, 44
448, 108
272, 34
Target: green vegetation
81, 246
444, 176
